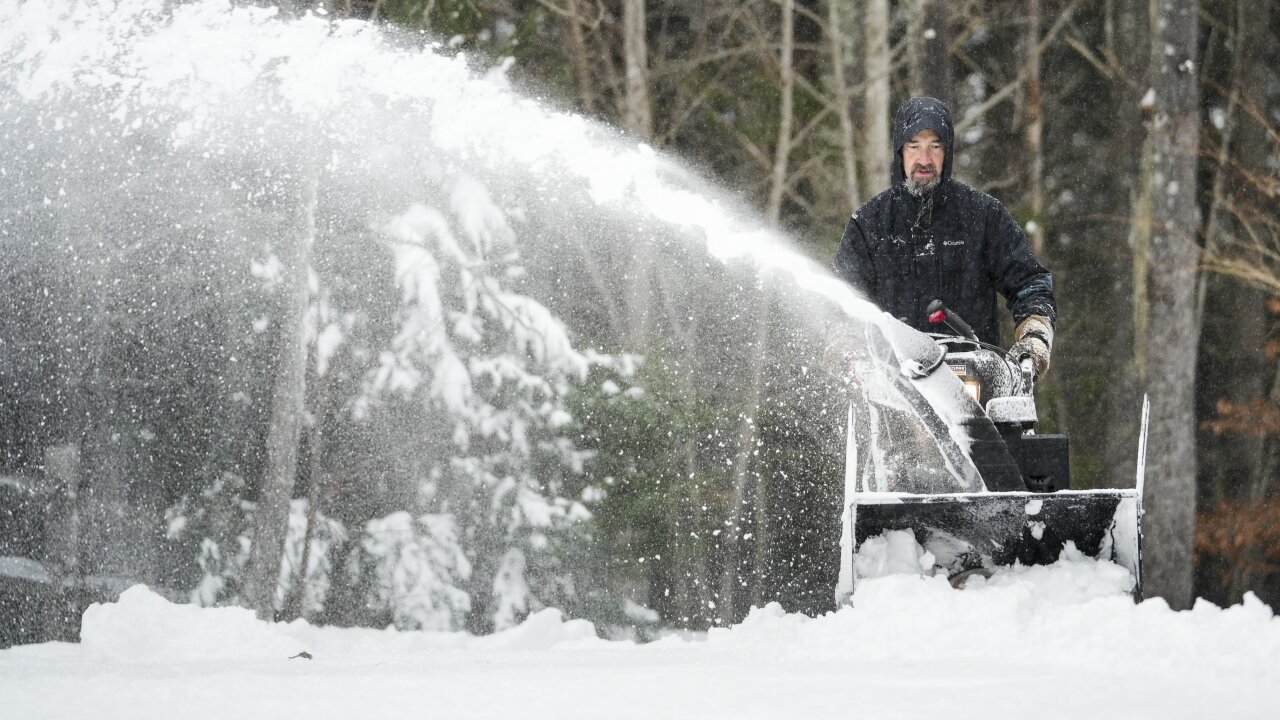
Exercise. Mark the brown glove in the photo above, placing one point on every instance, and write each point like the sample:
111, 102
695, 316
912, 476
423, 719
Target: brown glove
1034, 339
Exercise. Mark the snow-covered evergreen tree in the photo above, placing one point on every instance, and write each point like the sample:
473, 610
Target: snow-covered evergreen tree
498, 366
418, 571
216, 521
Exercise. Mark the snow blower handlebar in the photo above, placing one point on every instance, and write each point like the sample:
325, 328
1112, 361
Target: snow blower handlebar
943, 315
939, 313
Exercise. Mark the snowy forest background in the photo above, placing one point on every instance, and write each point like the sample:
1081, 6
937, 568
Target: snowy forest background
502, 407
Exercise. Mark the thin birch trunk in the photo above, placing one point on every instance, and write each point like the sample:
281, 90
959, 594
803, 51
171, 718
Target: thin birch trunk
1035, 131
581, 60
297, 601
637, 115
877, 148
638, 120
271, 520
762, 541
848, 133
787, 81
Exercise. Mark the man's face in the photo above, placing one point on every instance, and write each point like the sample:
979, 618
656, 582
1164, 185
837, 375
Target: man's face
922, 159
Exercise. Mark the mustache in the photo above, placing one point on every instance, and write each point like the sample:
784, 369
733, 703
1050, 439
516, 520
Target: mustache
926, 168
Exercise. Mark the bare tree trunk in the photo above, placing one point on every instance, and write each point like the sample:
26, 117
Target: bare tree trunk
877, 146
848, 133
1141, 220
62, 517
762, 541
1035, 131
62, 543
731, 577
1127, 39
296, 602
786, 110
928, 49
637, 119
1171, 283
271, 520
581, 60
694, 564
1232, 365
638, 115
1141, 228
690, 566
1244, 316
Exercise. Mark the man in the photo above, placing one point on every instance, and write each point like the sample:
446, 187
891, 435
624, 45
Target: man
930, 237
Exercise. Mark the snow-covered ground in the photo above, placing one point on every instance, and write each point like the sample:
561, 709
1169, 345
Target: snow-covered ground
1064, 641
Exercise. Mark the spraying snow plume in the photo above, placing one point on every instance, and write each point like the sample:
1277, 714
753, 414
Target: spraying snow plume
514, 320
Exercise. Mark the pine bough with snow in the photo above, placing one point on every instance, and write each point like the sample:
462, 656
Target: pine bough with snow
493, 368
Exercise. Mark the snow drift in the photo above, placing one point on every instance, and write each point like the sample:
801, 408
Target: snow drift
1054, 641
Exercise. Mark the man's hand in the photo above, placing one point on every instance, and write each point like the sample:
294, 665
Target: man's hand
1034, 339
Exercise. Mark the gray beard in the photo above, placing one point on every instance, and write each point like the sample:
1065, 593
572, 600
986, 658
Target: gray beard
920, 189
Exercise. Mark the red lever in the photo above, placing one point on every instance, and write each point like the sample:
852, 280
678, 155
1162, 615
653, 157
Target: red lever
938, 316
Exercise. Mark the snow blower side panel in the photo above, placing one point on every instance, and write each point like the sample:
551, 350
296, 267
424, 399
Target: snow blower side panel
968, 531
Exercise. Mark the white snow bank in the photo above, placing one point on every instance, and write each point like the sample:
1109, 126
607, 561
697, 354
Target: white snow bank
1075, 610
540, 631
141, 625
1063, 641
1075, 613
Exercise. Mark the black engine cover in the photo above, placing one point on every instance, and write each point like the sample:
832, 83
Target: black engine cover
1046, 463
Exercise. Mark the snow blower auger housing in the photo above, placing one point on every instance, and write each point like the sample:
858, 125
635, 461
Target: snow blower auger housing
976, 485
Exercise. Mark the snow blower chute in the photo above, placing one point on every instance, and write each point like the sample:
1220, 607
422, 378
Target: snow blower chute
941, 442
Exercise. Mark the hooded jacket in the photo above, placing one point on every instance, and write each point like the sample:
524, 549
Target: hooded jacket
954, 243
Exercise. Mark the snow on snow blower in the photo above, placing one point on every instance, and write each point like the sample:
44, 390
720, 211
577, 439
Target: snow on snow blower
941, 442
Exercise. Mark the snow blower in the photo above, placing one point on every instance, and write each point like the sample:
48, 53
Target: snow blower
942, 442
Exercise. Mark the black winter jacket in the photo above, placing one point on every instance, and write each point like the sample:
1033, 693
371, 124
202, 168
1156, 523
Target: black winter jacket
956, 243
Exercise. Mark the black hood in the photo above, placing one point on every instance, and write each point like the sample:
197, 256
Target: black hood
914, 115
